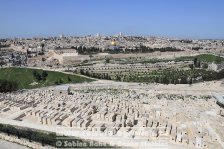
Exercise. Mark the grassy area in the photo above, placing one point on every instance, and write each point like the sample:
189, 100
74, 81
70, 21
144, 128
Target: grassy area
209, 58
26, 79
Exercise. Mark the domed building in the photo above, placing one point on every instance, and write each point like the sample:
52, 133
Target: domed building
113, 43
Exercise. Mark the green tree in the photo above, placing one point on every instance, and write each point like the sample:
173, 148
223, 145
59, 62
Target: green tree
107, 60
8, 86
44, 75
69, 79
60, 81
195, 61
191, 66
205, 66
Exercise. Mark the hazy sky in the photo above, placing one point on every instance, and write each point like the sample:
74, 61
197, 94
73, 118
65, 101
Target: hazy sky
169, 18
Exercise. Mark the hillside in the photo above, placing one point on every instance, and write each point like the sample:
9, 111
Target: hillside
26, 79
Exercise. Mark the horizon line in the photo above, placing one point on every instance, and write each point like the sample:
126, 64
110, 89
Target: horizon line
110, 35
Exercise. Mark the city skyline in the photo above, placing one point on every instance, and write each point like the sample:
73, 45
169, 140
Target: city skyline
112, 74
196, 20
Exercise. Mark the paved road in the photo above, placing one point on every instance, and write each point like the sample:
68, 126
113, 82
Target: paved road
9, 145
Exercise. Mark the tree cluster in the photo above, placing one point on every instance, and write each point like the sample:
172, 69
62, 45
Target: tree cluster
117, 50
40, 76
88, 50
95, 75
197, 63
8, 86
4, 46
196, 48
144, 49
164, 76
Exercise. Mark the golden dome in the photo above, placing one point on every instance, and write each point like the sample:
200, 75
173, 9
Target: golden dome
113, 43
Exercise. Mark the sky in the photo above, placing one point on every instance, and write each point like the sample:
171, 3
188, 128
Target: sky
197, 19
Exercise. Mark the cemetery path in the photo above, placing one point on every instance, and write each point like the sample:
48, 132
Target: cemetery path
115, 140
9, 145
